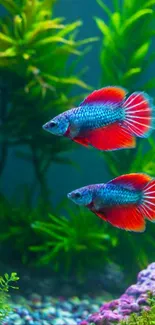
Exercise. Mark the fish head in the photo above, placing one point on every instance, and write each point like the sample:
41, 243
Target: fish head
82, 196
58, 125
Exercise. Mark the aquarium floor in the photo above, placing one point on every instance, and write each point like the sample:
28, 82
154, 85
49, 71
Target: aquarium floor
47, 310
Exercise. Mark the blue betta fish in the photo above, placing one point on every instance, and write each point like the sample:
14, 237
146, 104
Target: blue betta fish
125, 201
106, 119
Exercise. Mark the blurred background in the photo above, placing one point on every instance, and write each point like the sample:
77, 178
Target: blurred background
52, 55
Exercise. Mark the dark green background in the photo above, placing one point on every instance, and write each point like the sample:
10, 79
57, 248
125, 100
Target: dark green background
63, 179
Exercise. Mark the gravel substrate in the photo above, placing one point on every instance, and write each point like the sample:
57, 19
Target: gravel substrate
52, 311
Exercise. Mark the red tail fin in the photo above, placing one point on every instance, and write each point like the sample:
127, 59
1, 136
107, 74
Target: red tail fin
148, 204
138, 114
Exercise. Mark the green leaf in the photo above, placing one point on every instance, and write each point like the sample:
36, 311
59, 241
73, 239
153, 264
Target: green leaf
141, 52
116, 20
103, 27
148, 4
53, 39
104, 7
116, 5
6, 40
11, 6
11, 52
71, 80
87, 41
135, 17
131, 72
70, 28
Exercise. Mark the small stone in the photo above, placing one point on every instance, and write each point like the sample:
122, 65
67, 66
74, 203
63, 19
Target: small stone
69, 321
28, 318
58, 321
134, 307
18, 322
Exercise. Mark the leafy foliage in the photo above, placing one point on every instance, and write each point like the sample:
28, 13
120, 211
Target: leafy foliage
16, 232
5, 286
146, 317
36, 80
126, 55
76, 243
125, 60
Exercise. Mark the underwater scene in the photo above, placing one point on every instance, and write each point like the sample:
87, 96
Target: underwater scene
77, 162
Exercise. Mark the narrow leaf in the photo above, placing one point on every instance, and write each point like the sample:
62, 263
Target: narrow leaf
130, 21
104, 7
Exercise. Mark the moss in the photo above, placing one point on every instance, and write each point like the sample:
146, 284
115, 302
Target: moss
5, 287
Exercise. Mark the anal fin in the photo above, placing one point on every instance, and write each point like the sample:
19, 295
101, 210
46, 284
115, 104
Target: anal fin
111, 137
128, 218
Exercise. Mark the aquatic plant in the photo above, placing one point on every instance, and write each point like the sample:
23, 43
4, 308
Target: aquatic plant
147, 317
125, 60
5, 286
16, 232
74, 243
35, 81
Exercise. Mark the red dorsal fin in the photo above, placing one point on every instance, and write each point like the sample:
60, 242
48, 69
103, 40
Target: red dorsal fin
109, 95
128, 218
134, 181
111, 137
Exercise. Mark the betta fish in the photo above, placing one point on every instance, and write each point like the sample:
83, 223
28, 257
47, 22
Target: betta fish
125, 202
106, 119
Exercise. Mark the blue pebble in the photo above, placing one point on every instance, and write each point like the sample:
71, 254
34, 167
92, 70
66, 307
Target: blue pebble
36, 315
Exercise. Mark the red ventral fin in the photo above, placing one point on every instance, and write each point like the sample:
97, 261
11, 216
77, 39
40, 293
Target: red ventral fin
128, 218
111, 137
110, 95
82, 141
139, 114
100, 214
132, 181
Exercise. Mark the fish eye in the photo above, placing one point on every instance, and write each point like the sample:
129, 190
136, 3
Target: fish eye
77, 195
52, 124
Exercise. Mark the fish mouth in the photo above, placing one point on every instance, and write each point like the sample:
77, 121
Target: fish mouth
46, 126
49, 125
69, 195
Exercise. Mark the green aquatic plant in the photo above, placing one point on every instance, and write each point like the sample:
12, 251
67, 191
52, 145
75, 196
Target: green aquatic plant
125, 56
16, 232
75, 243
5, 287
38, 57
147, 317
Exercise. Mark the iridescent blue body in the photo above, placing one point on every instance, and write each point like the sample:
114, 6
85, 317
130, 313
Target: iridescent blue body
104, 195
94, 116
111, 195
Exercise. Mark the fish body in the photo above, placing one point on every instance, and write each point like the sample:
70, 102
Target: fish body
125, 201
106, 119
114, 195
93, 117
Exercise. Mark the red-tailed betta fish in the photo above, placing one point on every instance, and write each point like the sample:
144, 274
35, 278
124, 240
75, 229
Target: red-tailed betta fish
106, 119
125, 201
